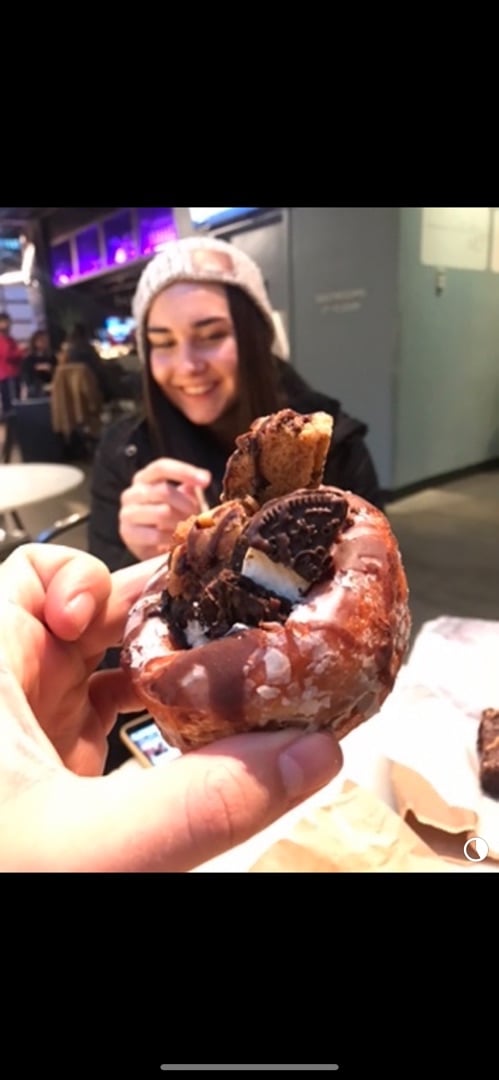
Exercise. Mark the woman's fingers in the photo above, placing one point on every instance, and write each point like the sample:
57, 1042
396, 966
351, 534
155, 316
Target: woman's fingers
175, 506
143, 535
147, 528
159, 494
180, 472
146, 514
183, 500
142, 494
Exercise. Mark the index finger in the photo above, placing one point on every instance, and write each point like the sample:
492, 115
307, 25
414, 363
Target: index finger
37, 576
106, 628
170, 469
71, 590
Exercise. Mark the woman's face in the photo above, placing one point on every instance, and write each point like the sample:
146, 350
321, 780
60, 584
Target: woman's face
193, 350
41, 342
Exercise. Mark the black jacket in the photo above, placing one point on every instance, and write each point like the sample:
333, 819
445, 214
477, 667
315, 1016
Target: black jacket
126, 447
37, 381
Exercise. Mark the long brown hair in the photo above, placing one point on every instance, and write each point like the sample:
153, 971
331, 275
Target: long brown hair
257, 371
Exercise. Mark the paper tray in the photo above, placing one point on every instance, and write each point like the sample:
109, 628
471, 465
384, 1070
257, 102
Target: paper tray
410, 773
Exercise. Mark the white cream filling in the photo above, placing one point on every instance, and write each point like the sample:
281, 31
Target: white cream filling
194, 634
315, 609
273, 576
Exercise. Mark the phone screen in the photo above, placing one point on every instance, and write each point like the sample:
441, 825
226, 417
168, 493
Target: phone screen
146, 736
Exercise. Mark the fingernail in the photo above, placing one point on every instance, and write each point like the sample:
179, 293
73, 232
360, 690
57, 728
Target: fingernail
309, 763
81, 609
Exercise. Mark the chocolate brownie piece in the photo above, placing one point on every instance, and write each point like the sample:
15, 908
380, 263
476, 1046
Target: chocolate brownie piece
488, 752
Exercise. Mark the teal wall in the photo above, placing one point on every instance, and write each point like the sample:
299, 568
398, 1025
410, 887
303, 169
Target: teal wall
344, 315
446, 402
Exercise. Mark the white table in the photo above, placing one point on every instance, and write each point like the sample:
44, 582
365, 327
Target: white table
26, 483
22, 484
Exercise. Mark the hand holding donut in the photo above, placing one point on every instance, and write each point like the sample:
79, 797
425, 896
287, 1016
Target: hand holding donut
285, 605
160, 496
60, 609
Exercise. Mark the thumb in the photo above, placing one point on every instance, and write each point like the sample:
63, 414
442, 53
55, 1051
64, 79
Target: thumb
178, 815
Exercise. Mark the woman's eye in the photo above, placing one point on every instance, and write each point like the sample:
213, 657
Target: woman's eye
164, 347
216, 335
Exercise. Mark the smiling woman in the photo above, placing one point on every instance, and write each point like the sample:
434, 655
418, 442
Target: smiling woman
193, 350
212, 363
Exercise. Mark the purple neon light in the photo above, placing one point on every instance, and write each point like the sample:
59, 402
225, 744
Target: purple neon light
119, 240
156, 227
61, 264
88, 251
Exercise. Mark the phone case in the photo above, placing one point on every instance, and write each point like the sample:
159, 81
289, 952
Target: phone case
157, 748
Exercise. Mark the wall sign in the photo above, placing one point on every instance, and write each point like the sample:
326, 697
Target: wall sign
456, 236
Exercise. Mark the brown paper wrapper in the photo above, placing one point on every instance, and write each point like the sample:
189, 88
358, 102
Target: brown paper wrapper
431, 726
434, 768
413, 794
358, 833
409, 795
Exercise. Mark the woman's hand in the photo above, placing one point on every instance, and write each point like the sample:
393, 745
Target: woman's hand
59, 610
160, 496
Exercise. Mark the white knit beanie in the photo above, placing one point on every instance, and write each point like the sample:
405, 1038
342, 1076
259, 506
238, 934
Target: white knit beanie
209, 260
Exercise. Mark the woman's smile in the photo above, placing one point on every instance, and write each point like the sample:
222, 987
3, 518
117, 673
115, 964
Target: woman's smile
197, 389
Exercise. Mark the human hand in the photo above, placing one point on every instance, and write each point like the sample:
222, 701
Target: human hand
59, 610
160, 496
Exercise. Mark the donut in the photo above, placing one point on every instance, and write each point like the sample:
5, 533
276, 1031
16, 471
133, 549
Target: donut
284, 606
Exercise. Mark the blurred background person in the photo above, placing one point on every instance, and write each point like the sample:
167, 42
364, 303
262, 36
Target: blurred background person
11, 357
38, 365
81, 351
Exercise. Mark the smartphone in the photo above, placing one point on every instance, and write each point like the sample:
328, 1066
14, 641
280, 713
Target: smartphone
144, 740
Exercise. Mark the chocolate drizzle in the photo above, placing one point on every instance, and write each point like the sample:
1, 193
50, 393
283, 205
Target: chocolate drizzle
207, 592
207, 547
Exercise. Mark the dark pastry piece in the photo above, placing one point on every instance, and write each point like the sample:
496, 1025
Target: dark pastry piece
488, 752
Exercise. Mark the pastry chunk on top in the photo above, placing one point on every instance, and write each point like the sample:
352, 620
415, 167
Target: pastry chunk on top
279, 454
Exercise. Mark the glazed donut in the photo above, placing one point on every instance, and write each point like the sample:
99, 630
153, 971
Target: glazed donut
270, 613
